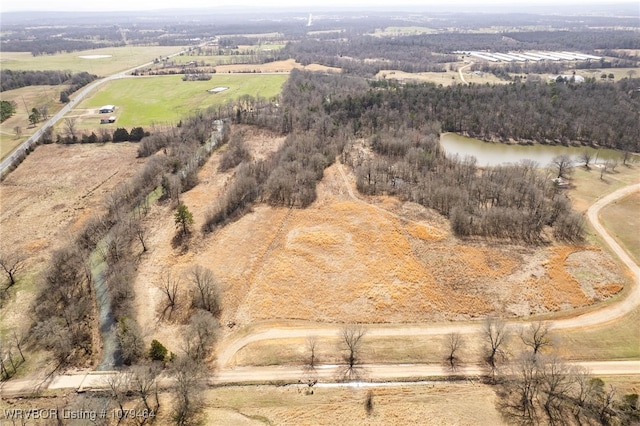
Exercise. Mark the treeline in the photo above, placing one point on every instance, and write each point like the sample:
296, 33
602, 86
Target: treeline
10, 79
321, 113
76, 82
508, 202
51, 46
104, 135
591, 113
366, 55
7, 109
65, 316
504, 70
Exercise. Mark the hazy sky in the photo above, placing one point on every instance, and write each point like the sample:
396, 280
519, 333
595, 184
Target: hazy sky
127, 5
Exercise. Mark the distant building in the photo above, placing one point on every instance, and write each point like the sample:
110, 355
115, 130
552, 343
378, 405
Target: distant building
107, 109
109, 120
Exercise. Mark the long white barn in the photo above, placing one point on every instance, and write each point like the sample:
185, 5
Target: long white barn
528, 56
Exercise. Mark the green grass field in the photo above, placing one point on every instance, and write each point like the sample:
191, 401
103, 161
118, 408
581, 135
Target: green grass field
120, 59
143, 101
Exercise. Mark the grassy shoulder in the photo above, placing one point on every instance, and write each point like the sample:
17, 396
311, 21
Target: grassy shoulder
144, 101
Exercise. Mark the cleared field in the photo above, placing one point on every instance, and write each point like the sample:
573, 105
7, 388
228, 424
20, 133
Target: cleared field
115, 59
25, 99
143, 101
621, 218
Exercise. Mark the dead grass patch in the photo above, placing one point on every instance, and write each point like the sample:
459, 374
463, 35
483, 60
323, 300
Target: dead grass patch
439, 402
273, 67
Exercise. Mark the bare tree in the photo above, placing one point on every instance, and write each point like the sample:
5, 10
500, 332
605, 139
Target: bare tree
312, 345
563, 166
585, 157
119, 385
604, 168
206, 292
144, 384
494, 334
70, 126
169, 287
536, 336
200, 336
44, 112
12, 263
351, 340
453, 344
188, 388
140, 231
519, 391
130, 339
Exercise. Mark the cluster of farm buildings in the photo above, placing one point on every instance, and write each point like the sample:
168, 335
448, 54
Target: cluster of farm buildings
528, 56
106, 110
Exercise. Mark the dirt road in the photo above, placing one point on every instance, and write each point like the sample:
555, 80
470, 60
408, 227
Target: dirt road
608, 312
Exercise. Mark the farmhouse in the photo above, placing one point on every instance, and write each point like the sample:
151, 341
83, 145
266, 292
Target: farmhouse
107, 109
111, 119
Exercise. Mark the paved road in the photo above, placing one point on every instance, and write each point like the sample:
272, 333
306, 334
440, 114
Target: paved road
77, 98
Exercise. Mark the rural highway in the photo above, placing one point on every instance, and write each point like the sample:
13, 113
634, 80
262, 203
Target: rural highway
77, 98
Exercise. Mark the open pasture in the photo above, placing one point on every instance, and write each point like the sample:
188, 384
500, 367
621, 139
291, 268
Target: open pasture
143, 101
101, 62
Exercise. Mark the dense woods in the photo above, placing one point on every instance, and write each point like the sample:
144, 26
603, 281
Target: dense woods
322, 114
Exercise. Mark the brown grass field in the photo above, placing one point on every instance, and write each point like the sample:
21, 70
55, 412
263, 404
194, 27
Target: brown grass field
373, 260
32, 96
276, 66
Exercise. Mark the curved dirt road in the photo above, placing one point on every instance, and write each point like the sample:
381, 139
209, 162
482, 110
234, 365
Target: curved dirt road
607, 313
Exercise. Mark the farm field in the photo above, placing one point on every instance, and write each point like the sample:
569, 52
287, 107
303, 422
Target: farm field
31, 96
115, 59
143, 101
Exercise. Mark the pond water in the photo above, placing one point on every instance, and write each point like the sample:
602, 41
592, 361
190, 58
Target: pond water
493, 153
